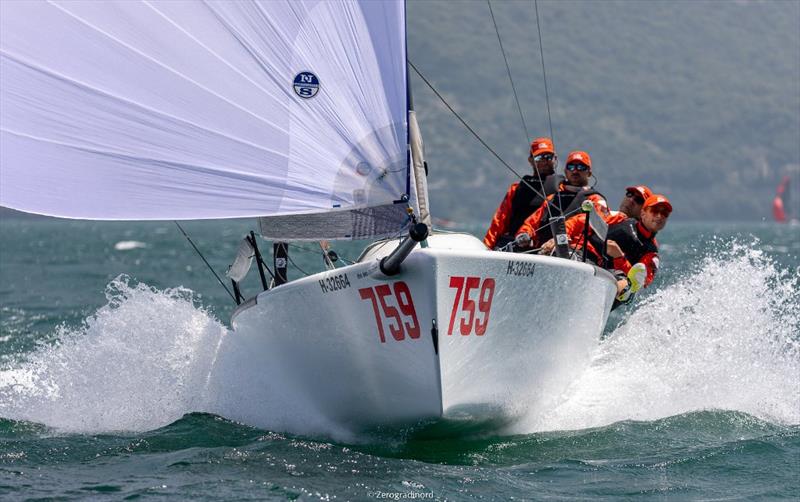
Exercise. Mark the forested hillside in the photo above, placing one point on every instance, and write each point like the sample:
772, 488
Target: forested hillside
700, 100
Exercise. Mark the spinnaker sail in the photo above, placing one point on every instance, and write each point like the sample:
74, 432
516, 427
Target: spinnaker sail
127, 110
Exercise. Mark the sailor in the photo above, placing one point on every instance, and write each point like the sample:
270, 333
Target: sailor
524, 197
631, 204
630, 207
566, 202
633, 247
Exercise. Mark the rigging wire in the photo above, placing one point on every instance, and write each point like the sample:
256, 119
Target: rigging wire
463, 122
519, 108
566, 216
544, 72
204, 260
508, 70
288, 256
516, 98
264, 264
316, 252
471, 130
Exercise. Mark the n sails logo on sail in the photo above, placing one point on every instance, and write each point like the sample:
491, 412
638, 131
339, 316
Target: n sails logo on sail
306, 85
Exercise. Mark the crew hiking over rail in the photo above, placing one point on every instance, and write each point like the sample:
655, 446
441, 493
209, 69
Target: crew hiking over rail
627, 246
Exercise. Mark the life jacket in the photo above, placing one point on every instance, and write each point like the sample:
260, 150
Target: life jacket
563, 202
529, 196
632, 239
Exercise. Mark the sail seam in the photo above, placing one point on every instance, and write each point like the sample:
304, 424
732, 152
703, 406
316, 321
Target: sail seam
210, 51
77, 83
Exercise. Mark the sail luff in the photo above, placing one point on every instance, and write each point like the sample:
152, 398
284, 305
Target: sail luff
418, 166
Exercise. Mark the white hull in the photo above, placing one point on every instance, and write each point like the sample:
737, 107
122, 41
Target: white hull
317, 341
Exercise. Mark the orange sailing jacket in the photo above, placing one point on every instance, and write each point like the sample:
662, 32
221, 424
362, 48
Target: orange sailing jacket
638, 244
576, 224
501, 218
534, 222
517, 205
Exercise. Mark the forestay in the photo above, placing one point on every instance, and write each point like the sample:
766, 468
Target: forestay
190, 110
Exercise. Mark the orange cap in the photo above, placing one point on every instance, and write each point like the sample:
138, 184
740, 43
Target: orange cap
657, 200
642, 190
579, 156
542, 145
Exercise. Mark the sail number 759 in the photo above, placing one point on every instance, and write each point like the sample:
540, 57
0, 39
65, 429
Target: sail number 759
464, 306
396, 306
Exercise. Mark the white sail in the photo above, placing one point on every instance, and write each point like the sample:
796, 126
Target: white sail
191, 110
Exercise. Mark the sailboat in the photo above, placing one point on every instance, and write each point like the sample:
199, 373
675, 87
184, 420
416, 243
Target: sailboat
785, 201
299, 114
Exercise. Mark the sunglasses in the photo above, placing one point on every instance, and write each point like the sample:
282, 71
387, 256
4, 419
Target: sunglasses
635, 196
544, 157
577, 167
661, 211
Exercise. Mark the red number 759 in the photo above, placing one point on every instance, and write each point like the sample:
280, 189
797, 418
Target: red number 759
399, 325
466, 308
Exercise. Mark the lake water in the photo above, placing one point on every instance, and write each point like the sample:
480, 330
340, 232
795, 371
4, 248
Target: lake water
105, 329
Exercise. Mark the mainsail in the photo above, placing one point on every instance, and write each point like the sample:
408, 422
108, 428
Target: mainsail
193, 110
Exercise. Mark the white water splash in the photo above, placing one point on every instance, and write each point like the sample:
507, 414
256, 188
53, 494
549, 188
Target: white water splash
726, 336
141, 362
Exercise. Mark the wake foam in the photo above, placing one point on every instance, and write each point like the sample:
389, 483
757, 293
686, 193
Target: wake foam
141, 362
724, 336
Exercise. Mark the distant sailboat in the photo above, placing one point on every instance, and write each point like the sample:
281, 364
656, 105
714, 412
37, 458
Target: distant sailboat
786, 204
778, 209
298, 113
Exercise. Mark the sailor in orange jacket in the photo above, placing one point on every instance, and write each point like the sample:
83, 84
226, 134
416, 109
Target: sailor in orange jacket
524, 197
567, 201
630, 207
631, 204
633, 242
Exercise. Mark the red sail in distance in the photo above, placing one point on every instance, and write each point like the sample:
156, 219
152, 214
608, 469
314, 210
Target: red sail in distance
778, 210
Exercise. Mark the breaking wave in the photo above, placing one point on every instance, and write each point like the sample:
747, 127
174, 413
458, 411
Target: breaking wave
725, 335
140, 362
